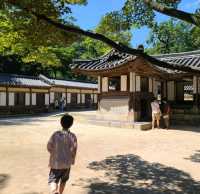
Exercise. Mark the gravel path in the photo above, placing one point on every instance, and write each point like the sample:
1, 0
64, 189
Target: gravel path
109, 160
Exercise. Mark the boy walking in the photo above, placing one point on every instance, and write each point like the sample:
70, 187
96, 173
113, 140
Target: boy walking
62, 147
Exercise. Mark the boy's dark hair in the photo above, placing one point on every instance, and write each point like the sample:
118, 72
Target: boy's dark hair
66, 121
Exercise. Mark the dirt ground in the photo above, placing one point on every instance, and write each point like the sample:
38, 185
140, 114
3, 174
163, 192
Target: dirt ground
109, 160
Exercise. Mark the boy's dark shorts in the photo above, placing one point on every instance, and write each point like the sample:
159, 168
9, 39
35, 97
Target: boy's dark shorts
56, 175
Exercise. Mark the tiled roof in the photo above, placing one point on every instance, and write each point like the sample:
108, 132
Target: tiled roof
68, 83
115, 59
184, 59
110, 60
74, 84
21, 80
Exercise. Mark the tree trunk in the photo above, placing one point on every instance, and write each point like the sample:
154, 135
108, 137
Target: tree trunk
182, 15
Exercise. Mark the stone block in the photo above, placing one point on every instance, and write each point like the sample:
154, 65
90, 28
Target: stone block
142, 125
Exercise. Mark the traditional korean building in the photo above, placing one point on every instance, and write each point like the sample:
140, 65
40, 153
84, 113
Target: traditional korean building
127, 83
26, 94
77, 94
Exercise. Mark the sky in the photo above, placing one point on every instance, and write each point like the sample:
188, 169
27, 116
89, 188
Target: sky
89, 16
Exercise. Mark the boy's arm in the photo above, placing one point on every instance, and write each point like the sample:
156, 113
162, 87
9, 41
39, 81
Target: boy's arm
74, 148
50, 144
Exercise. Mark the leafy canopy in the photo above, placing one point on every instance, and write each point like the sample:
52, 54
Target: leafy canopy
172, 36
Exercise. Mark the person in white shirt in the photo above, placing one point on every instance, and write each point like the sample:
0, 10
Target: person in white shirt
156, 113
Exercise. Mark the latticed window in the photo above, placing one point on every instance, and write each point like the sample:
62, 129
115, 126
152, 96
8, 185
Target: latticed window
188, 91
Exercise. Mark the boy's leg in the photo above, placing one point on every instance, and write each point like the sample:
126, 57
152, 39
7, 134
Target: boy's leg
54, 177
61, 187
63, 181
54, 188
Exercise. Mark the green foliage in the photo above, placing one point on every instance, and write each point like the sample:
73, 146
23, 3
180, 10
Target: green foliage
139, 14
173, 36
23, 34
112, 26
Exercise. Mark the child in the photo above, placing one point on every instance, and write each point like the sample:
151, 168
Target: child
62, 147
156, 113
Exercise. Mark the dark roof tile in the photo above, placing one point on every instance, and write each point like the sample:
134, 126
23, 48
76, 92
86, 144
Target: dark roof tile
115, 59
21, 80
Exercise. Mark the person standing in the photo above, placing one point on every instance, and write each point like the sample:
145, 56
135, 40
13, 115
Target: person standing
56, 104
166, 113
156, 113
62, 147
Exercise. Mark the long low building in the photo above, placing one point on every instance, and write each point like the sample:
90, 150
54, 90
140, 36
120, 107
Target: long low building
27, 94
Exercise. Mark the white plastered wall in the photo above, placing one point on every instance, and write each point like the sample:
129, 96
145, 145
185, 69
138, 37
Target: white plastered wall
11, 98
123, 82
46, 99
33, 99
2, 98
27, 99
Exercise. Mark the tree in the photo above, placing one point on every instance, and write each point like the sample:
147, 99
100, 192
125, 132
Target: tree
172, 36
51, 12
89, 48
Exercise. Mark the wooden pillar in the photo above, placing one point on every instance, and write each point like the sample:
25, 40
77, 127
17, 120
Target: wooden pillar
164, 89
49, 97
132, 82
195, 90
31, 97
99, 84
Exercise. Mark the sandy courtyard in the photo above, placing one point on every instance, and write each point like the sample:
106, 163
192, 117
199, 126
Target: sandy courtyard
109, 160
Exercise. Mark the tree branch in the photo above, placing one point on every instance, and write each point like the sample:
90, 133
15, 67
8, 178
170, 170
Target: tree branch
182, 15
118, 46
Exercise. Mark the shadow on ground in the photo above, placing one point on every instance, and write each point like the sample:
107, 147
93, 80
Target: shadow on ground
129, 174
195, 157
22, 121
3, 180
191, 128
